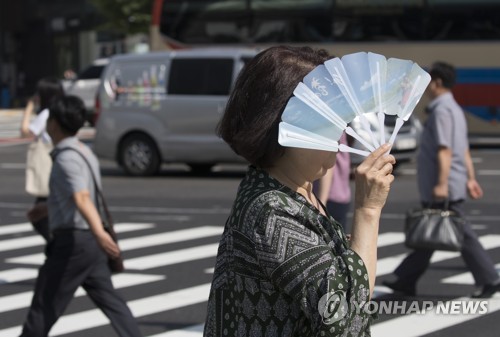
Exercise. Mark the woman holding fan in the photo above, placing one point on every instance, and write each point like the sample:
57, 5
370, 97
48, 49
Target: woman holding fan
284, 266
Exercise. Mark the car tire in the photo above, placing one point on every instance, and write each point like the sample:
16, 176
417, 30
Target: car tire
201, 169
139, 155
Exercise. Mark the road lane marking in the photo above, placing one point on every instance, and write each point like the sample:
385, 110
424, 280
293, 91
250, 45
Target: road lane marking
170, 237
16, 228
136, 243
173, 257
142, 307
192, 331
389, 264
37, 240
464, 278
147, 210
23, 300
121, 227
17, 275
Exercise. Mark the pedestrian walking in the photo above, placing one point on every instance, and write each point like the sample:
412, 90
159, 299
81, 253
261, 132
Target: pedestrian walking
77, 254
282, 260
445, 174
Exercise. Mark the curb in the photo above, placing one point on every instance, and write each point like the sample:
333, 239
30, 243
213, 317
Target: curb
11, 112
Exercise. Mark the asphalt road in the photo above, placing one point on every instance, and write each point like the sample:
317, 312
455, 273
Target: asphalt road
169, 227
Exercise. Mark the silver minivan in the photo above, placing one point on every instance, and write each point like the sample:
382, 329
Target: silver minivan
164, 107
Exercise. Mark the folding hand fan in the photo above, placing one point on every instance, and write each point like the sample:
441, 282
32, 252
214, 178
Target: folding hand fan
336, 92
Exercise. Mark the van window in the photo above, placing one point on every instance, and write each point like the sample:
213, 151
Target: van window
200, 76
92, 72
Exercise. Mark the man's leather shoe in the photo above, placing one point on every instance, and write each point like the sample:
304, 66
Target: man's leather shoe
400, 287
486, 291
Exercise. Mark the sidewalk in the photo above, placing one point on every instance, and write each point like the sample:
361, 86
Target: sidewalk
10, 122
11, 113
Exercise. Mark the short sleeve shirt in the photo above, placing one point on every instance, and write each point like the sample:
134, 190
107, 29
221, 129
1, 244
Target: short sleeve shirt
283, 269
70, 174
445, 126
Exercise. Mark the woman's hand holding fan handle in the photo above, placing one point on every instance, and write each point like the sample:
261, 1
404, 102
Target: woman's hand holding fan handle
373, 179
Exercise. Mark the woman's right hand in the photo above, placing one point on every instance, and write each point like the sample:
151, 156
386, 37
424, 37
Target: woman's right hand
107, 243
373, 179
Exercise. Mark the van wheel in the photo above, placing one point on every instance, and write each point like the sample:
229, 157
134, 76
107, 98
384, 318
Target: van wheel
139, 155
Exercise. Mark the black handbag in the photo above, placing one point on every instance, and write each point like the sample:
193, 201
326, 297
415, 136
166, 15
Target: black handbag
434, 229
115, 263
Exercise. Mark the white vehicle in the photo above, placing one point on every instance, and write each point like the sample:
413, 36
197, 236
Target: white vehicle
165, 106
86, 84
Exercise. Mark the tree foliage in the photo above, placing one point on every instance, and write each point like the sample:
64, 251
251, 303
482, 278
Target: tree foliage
125, 16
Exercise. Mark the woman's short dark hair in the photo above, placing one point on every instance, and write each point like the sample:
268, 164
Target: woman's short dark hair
47, 89
445, 72
250, 122
69, 112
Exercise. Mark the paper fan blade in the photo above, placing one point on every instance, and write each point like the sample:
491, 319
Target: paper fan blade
378, 70
321, 83
414, 87
301, 115
309, 97
338, 72
357, 67
292, 136
397, 71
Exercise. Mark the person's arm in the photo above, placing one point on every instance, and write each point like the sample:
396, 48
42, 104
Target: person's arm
324, 185
75, 185
473, 187
373, 181
25, 123
87, 209
444, 156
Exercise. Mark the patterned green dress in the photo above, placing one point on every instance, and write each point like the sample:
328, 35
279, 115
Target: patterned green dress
283, 269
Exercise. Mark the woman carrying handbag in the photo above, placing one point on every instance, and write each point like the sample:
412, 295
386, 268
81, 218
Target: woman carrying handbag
38, 161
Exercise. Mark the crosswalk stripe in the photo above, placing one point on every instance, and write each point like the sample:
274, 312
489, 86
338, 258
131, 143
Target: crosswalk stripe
124, 227
23, 300
170, 237
388, 264
24, 242
415, 325
199, 294
125, 244
15, 228
17, 275
390, 238
192, 331
121, 227
464, 278
142, 307
169, 258
149, 241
